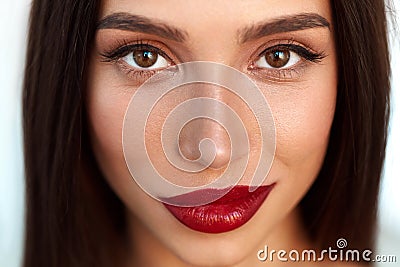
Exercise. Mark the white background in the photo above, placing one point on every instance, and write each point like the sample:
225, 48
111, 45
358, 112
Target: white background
13, 22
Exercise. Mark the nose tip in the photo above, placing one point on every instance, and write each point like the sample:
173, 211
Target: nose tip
200, 129
222, 157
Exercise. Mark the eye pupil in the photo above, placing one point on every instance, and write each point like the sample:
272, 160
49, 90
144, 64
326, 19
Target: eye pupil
145, 58
278, 58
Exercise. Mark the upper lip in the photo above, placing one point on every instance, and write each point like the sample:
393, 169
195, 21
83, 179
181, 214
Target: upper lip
203, 197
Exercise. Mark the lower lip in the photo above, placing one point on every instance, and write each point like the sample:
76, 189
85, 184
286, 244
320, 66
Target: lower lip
225, 214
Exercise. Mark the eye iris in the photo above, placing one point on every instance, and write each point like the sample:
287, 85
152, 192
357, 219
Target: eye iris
145, 58
278, 58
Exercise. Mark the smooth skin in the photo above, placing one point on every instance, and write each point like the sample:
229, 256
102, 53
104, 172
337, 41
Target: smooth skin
302, 98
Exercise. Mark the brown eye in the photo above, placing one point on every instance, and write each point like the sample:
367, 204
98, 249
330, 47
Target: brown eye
145, 59
278, 58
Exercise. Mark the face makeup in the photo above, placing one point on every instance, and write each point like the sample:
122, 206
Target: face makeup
294, 68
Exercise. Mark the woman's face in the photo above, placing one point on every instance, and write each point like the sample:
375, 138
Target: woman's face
285, 47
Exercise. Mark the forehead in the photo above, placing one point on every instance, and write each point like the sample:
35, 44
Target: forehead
217, 16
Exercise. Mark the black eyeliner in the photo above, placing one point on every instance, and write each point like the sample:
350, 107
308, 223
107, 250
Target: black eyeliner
300, 50
124, 50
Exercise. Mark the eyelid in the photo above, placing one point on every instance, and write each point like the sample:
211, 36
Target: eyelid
294, 59
130, 60
302, 51
285, 43
307, 55
123, 48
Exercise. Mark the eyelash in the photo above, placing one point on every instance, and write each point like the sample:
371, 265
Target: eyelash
292, 72
124, 48
300, 50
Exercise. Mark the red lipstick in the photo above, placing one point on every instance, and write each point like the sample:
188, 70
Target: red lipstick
225, 214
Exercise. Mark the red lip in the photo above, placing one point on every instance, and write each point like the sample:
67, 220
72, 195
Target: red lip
225, 214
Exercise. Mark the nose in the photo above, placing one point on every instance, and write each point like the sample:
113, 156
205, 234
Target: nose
200, 129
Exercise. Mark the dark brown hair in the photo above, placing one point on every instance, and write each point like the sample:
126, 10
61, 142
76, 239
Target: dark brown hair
73, 217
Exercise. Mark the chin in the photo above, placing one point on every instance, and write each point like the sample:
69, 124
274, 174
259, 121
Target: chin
215, 251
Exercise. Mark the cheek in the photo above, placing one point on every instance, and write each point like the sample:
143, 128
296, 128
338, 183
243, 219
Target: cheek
106, 105
303, 116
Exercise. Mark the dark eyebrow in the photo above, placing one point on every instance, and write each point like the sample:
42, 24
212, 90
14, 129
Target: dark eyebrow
283, 24
135, 23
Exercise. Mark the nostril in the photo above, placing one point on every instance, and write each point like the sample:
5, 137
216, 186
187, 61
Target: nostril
187, 149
